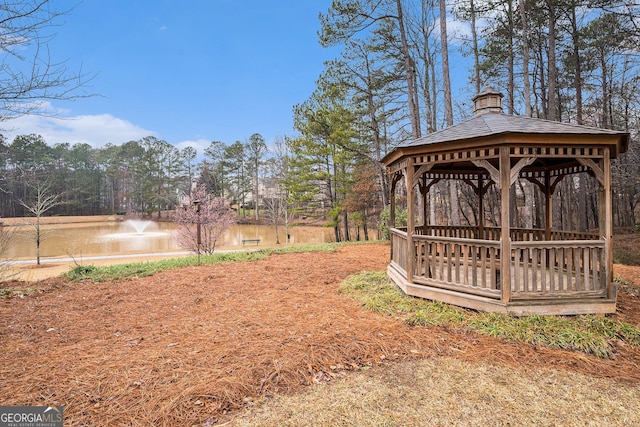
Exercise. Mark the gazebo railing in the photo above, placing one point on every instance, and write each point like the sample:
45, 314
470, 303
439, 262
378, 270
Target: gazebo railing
538, 269
470, 265
493, 233
461, 232
399, 249
566, 268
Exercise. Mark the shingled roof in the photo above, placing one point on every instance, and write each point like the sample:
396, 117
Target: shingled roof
490, 121
490, 124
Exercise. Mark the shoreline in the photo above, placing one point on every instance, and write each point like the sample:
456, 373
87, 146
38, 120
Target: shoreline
48, 220
78, 219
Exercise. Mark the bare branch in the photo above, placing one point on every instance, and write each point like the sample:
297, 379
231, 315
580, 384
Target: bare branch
28, 74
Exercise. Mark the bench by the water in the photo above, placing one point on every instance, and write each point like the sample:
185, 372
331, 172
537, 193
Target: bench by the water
245, 241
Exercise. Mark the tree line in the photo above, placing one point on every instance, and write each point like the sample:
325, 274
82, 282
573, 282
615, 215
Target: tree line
152, 177
147, 176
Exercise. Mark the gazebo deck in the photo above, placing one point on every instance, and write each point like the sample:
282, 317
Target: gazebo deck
562, 275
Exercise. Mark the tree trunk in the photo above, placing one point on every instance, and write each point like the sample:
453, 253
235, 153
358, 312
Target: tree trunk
432, 206
526, 84
582, 202
38, 234
345, 218
513, 207
455, 203
552, 74
256, 188
510, 61
365, 229
605, 91
428, 75
414, 113
446, 80
577, 64
474, 40
530, 204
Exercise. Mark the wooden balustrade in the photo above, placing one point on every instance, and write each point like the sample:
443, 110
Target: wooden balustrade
565, 268
471, 265
493, 233
399, 251
573, 235
460, 232
539, 269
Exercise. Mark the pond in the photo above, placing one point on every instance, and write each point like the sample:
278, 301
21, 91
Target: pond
110, 238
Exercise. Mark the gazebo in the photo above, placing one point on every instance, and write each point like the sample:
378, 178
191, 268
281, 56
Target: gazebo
521, 271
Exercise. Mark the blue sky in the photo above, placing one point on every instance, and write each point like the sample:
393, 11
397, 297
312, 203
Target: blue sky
188, 72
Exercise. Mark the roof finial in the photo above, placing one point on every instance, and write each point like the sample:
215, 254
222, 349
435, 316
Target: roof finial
487, 101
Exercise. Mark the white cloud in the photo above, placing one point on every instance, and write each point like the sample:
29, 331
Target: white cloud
200, 145
95, 130
458, 31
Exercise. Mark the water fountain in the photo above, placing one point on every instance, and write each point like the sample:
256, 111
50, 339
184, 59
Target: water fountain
139, 225
135, 228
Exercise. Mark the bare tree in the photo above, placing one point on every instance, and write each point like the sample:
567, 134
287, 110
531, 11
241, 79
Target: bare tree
275, 198
256, 149
38, 205
276, 210
28, 73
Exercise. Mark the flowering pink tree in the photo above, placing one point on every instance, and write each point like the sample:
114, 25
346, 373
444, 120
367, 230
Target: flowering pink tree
212, 214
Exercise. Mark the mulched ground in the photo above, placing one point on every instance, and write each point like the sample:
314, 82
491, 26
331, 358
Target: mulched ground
185, 346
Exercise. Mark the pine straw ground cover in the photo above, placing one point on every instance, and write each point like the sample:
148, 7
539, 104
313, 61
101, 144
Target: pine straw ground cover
188, 346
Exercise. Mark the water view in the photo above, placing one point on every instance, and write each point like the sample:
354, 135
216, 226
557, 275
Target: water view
110, 238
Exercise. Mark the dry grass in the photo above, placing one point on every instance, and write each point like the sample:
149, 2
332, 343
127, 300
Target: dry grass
444, 391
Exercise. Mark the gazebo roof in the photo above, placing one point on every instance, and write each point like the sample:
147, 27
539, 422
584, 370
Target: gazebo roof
490, 122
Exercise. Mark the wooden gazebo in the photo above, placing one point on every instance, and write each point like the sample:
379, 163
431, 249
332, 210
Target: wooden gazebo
505, 269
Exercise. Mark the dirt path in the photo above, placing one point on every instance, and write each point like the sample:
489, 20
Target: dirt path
184, 346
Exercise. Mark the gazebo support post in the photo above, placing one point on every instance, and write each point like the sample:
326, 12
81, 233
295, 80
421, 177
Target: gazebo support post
606, 222
505, 225
392, 213
410, 219
424, 191
392, 207
548, 206
480, 192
